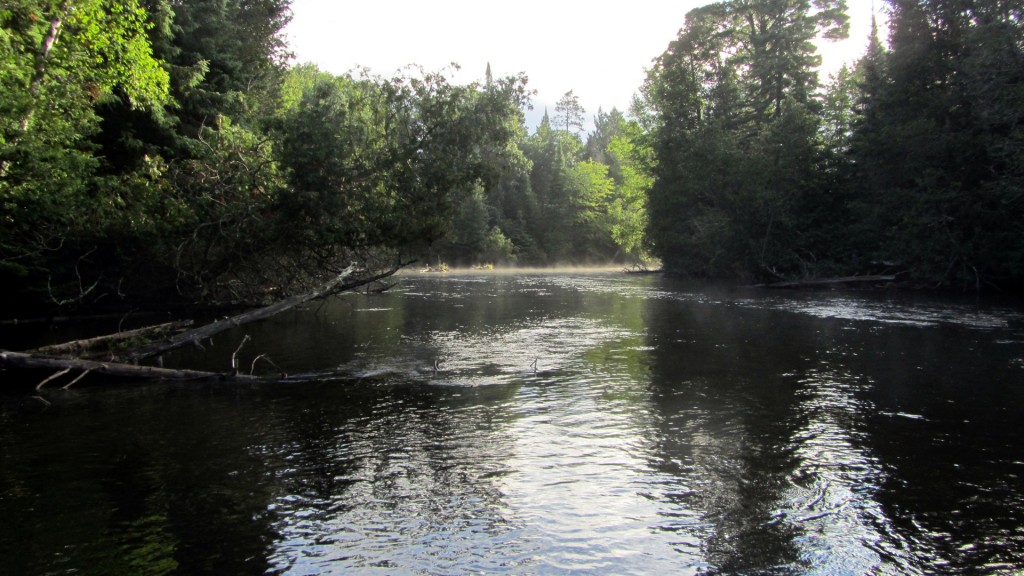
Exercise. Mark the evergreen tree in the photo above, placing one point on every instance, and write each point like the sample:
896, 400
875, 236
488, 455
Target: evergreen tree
938, 142
736, 139
569, 114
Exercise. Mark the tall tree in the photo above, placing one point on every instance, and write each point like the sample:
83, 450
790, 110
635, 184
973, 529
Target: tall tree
735, 138
939, 138
631, 166
569, 113
195, 173
607, 125
619, 144
225, 58
775, 42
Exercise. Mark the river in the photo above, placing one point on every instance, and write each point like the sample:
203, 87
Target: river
546, 423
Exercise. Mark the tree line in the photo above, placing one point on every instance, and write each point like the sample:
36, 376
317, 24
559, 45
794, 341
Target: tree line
909, 161
562, 199
170, 151
165, 151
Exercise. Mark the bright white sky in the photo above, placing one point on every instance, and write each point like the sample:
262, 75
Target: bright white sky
598, 50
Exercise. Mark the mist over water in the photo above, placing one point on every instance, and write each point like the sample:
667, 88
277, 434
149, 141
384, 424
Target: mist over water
547, 423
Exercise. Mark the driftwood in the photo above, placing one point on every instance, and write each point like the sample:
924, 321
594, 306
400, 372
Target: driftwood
846, 280
82, 348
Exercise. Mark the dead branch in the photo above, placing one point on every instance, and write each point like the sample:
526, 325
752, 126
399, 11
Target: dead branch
53, 377
28, 361
234, 356
267, 359
183, 339
72, 383
82, 291
336, 285
124, 365
84, 346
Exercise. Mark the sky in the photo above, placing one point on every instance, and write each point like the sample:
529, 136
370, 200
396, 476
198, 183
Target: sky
599, 50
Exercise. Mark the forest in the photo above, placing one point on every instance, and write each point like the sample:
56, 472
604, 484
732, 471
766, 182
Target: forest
910, 162
156, 153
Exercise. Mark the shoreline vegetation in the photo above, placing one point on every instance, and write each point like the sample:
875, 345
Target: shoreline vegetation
150, 161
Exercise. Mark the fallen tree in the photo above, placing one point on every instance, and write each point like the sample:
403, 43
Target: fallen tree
100, 345
67, 358
192, 337
65, 366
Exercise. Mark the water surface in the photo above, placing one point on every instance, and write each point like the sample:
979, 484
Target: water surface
546, 424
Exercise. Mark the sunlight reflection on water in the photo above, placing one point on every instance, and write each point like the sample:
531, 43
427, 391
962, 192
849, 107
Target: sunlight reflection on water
551, 424
592, 462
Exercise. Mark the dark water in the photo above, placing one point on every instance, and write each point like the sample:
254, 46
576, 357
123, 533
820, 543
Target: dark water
600, 423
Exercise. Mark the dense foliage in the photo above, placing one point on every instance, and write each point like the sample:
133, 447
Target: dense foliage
159, 151
741, 170
939, 142
58, 61
560, 199
162, 151
910, 162
169, 151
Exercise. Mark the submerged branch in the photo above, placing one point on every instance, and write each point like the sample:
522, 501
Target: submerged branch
65, 365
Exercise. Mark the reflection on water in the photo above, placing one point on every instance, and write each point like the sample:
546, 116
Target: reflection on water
362, 496
536, 424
